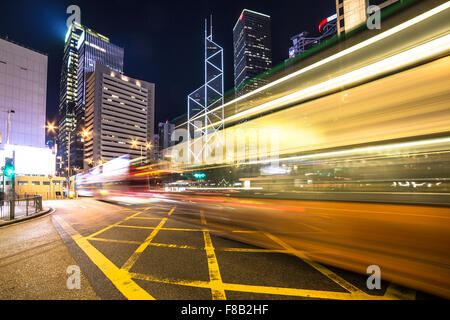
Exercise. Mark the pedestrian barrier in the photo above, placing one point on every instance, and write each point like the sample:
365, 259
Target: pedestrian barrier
22, 206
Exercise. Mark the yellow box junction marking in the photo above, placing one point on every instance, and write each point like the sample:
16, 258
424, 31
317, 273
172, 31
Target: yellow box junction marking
215, 279
113, 225
323, 270
120, 278
135, 256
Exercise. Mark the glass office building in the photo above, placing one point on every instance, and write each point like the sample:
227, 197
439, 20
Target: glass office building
83, 49
252, 50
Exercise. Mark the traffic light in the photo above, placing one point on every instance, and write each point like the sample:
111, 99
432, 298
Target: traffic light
8, 169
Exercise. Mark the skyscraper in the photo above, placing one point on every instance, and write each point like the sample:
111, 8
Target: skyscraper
304, 41
252, 50
83, 49
166, 130
205, 112
120, 114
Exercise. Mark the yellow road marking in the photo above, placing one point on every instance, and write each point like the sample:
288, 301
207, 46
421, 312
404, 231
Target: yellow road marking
135, 256
250, 250
163, 229
144, 218
171, 211
115, 241
120, 279
188, 283
176, 246
215, 279
113, 225
396, 292
255, 289
290, 292
325, 271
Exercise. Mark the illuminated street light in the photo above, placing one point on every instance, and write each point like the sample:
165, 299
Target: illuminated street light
51, 127
85, 133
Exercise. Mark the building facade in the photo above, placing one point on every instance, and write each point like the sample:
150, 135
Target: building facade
119, 115
304, 41
252, 50
23, 95
84, 48
49, 188
165, 130
352, 13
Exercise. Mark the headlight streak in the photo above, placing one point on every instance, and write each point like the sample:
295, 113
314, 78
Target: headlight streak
343, 53
401, 60
361, 150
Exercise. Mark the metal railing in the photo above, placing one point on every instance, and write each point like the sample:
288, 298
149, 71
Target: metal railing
22, 206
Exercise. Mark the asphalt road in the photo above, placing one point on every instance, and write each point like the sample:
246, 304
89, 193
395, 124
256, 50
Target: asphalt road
167, 252
34, 262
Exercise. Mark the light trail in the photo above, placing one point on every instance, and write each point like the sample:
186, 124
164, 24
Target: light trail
361, 150
345, 52
401, 60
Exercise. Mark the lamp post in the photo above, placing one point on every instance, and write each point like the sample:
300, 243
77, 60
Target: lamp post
85, 133
52, 129
148, 146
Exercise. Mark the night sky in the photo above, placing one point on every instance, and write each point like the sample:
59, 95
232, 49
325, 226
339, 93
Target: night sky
163, 40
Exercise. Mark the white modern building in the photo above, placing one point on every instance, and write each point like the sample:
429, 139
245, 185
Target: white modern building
119, 116
23, 91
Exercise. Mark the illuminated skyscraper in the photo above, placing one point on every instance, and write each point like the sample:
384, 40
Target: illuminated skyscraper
120, 114
252, 50
205, 105
83, 49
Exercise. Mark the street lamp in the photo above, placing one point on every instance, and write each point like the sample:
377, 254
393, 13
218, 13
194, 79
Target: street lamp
148, 146
52, 129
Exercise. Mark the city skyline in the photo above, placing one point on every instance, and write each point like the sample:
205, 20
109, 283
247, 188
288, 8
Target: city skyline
155, 60
194, 153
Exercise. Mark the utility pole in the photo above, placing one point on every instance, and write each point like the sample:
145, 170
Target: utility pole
13, 190
68, 169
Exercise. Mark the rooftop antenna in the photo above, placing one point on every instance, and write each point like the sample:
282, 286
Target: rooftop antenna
211, 26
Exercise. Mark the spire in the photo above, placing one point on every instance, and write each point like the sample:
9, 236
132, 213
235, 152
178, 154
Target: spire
211, 26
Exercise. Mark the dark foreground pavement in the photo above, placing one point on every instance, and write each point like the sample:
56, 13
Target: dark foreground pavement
161, 251
34, 262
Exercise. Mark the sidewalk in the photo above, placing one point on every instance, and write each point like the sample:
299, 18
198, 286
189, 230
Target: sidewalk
25, 217
33, 264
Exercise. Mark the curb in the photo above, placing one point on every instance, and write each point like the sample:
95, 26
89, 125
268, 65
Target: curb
37, 215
